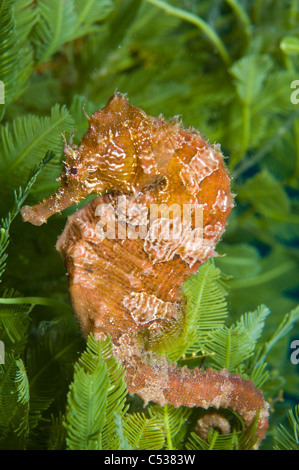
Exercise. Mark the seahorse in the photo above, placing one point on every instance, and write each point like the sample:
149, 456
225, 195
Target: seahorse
128, 252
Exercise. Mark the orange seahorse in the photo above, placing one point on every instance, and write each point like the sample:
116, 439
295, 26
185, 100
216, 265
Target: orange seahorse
128, 252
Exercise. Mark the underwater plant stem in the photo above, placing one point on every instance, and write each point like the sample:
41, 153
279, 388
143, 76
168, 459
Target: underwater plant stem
288, 63
247, 163
54, 358
168, 433
293, 13
241, 14
29, 148
214, 439
55, 37
257, 11
85, 10
35, 301
228, 352
285, 325
264, 277
197, 21
293, 180
246, 128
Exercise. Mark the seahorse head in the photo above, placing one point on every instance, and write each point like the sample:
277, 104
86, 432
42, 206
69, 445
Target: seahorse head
106, 159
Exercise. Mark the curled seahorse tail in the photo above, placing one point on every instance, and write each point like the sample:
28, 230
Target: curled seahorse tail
158, 380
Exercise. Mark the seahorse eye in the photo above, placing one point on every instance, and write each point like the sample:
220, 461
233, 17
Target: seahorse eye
74, 171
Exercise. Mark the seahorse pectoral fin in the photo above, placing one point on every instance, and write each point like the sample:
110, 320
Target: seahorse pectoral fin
38, 214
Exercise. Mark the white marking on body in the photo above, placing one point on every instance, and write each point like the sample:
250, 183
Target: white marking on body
213, 232
79, 251
203, 164
168, 238
145, 308
222, 201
